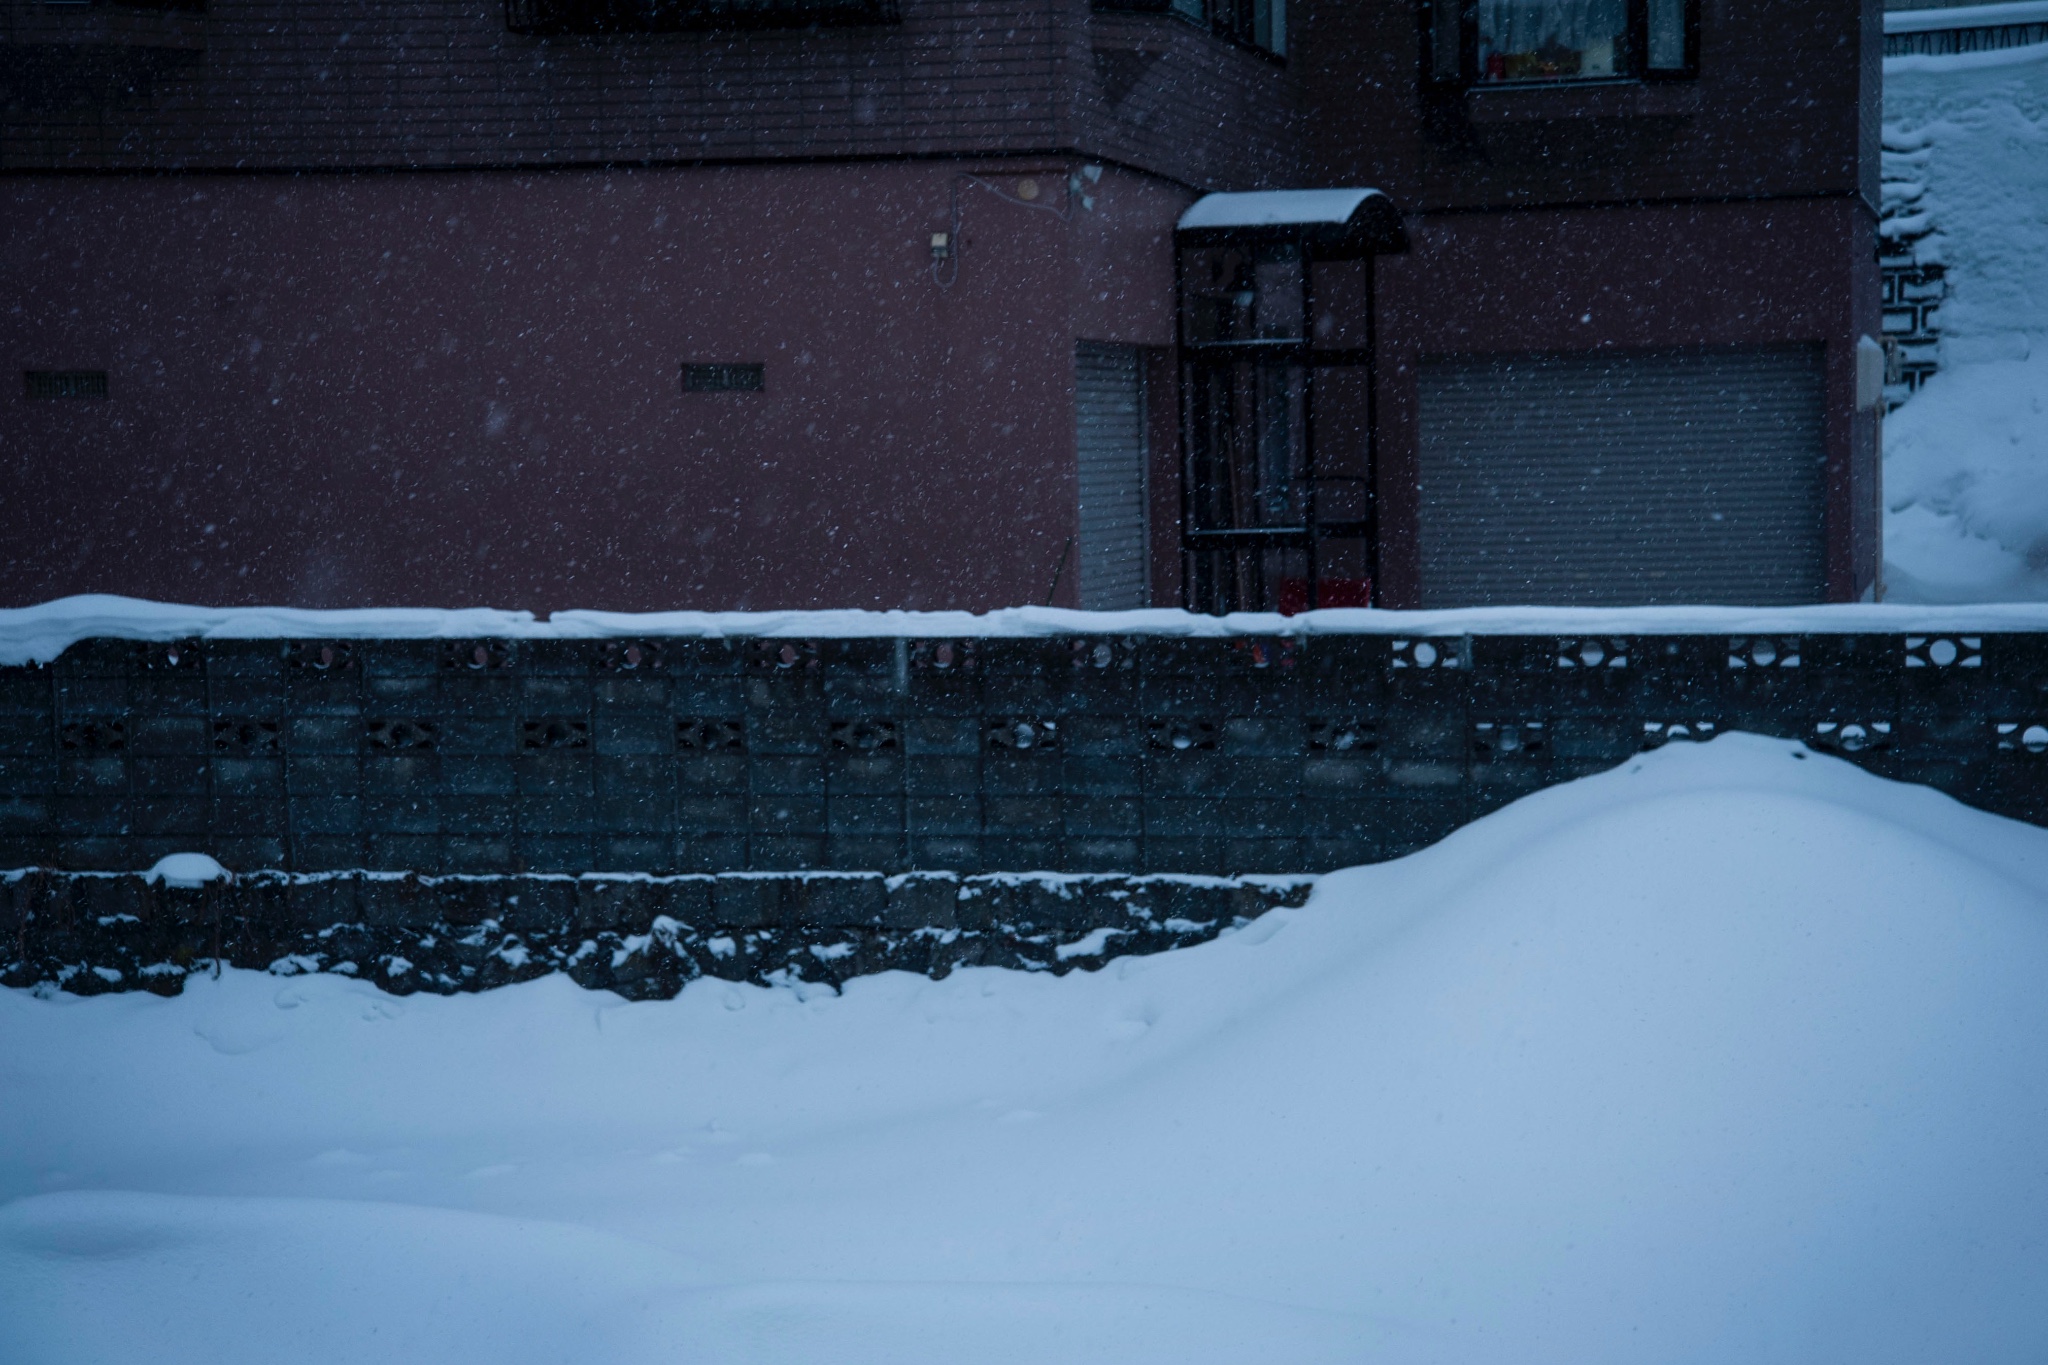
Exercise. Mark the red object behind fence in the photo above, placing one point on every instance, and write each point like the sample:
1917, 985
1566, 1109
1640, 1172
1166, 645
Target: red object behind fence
1330, 592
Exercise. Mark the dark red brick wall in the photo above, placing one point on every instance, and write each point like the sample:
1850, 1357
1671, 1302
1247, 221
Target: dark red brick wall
922, 455
1729, 210
1778, 110
302, 84
1153, 91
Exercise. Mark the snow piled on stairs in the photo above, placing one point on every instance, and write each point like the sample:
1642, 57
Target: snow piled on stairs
1966, 483
1733, 1054
1966, 459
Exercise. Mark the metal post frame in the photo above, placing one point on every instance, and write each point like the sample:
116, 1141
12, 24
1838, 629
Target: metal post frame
1228, 549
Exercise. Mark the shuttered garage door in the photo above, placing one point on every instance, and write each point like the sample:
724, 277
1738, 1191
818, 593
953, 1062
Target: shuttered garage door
1110, 426
1652, 477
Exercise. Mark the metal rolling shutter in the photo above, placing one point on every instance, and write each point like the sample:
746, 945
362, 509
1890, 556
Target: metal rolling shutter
1652, 477
1110, 421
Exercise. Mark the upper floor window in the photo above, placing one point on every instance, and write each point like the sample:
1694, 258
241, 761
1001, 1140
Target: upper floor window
1499, 42
597, 17
1259, 23
1255, 23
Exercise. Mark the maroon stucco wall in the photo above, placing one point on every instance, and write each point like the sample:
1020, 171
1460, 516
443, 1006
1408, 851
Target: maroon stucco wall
464, 388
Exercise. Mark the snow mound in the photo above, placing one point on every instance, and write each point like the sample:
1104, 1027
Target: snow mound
1733, 1054
186, 870
1966, 459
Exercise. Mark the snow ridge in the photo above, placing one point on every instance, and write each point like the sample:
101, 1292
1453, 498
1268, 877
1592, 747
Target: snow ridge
39, 634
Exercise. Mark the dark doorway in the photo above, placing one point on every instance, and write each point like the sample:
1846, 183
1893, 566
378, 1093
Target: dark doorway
1277, 379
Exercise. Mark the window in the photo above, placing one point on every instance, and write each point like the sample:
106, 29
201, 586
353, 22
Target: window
1255, 23
1508, 42
597, 17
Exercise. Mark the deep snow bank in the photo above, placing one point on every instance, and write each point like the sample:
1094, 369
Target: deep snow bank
1733, 1054
1966, 459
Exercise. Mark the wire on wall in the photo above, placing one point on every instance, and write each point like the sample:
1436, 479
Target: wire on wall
946, 245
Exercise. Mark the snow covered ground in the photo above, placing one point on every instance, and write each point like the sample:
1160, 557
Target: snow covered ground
1966, 459
1733, 1054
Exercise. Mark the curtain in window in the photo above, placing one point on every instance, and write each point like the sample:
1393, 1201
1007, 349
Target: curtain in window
1532, 25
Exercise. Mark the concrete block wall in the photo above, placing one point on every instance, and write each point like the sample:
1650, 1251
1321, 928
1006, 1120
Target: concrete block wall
1125, 754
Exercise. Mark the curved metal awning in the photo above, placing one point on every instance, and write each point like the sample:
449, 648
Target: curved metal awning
1330, 224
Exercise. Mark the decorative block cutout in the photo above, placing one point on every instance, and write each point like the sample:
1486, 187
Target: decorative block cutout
93, 736
1851, 736
864, 736
696, 734
631, 656
1658, 733
390, 734
1427, 654
1181, 736
176, 654
1017, 735
554, 733
2022, 737
1609, 652
245, 736
782, 656
1763, 651
1259, 654
322, 656
1496, 741
1343, 736
944, 656
1098, 652
478, 656
1944, 651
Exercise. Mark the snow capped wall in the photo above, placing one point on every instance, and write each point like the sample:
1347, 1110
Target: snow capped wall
1966, 460
1108, 752
1973, 131
33, 636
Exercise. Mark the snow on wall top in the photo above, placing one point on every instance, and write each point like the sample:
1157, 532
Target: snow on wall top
1274, 208
1966, 16
38, 634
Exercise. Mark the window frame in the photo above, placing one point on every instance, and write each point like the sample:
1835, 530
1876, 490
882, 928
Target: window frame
1236, 22
1438, 73
638, 18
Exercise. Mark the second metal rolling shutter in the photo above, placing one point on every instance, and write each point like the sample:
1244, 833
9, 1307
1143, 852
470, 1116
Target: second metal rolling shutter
1110, 424
1659, 477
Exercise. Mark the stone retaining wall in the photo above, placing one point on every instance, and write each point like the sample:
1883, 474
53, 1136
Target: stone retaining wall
643, 937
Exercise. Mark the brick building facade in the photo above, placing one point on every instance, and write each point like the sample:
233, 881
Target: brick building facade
649, 304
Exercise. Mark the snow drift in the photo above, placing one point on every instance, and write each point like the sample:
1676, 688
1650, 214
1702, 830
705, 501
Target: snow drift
1966, 459
1733, 1054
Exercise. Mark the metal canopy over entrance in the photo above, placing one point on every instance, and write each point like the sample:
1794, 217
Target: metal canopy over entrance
1277, 380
